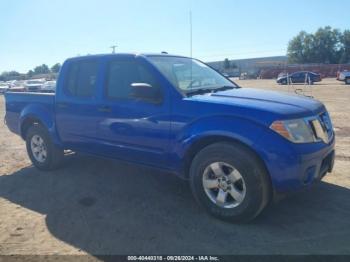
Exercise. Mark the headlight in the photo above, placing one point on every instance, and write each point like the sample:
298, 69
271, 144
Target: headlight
296, 130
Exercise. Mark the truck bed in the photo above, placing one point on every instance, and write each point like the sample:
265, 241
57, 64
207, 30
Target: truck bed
18, 103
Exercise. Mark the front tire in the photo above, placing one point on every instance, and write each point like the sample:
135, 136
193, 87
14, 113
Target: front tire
230, 182
42, 152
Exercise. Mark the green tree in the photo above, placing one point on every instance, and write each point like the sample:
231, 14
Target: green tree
11, 75
345, 49
227, 64
324, 46
301, 48
43, 69
56, 68
30, 73
327, 45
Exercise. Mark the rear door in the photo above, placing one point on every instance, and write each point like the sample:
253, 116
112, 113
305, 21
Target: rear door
129, 128
298, 77
76, 107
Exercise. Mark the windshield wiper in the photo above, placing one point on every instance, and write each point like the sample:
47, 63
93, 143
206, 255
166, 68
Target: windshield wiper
223, 88
201, 91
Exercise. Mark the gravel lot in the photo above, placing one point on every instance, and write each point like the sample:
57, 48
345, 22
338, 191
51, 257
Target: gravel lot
97, 206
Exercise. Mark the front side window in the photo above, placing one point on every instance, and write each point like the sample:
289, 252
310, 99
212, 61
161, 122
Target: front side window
81, 79
120, 76
187, 74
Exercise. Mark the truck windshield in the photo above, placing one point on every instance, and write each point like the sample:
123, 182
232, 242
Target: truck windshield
190, 75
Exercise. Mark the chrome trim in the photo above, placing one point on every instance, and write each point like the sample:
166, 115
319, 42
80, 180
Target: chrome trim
319, 131
323, 132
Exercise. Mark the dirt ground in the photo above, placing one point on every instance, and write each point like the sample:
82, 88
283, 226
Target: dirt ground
97, 206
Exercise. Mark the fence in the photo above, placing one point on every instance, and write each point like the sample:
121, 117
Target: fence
326, 70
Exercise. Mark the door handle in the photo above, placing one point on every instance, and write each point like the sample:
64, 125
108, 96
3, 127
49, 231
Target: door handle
62, 105
105, 109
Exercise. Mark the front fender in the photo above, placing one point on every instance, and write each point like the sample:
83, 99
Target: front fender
235, 128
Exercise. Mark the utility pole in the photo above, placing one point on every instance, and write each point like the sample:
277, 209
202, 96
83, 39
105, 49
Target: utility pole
113, 48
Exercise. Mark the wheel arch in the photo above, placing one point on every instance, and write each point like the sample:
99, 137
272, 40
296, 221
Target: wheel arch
203, 142
36, 115
26, 123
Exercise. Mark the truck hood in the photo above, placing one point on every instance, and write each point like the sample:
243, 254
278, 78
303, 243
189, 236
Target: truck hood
274, 104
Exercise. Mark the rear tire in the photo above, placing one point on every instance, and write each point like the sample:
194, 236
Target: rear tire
246, 195
347, 81
42, 152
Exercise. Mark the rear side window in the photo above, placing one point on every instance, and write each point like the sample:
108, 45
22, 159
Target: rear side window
81, 79
120, 76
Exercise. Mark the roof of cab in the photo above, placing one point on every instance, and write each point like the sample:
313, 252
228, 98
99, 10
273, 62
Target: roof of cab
124, 55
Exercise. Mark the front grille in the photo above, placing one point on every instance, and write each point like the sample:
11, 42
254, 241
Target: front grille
327, 124
322, 127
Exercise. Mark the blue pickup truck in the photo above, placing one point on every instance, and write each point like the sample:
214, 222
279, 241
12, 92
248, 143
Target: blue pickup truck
237, 147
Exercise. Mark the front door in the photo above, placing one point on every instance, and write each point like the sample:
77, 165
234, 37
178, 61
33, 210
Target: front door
133, 129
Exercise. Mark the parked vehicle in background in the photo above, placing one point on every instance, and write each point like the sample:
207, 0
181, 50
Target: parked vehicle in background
236, 146
33, 85
49, 87
17, 89
3, 87
231, 74
243, 76
282, 74
16, 86
248, 75
13, 83
299, 77
344, 76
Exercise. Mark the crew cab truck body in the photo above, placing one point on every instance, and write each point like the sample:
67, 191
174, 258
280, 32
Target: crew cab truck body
236, 146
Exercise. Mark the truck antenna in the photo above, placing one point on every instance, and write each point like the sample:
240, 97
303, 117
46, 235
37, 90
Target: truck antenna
191, 49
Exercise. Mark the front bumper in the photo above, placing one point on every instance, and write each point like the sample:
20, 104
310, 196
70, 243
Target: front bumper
295, 166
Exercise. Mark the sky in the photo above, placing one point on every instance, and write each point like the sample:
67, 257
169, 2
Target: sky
33, 32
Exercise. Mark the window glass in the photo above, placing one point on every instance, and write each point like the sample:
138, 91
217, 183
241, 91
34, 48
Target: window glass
82, 78
121, 74
187, 74
72, 79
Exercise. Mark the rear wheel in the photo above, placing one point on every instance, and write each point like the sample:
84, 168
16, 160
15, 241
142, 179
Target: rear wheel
42, 152
347, 81
229, 182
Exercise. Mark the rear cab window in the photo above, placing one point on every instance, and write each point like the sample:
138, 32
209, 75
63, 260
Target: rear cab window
82, 78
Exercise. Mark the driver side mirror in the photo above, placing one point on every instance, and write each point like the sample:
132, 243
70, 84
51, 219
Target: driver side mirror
146, 92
